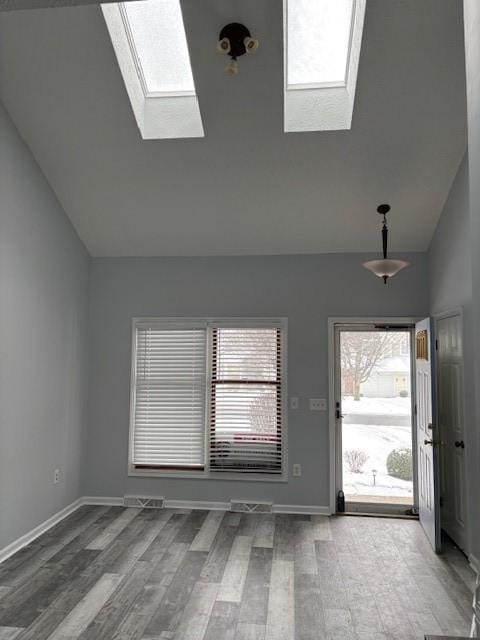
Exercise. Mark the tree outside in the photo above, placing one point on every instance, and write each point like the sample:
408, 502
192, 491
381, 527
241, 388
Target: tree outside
361, 352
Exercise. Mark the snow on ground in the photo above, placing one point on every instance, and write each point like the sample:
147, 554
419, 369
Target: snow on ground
377, 442
377, 406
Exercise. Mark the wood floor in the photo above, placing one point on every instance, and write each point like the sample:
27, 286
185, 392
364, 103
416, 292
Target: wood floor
131, 574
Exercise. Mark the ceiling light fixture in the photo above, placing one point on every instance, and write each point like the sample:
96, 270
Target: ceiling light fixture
385, 268
235, 40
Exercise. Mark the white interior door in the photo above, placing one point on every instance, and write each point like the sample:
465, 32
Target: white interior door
451, 426
427, 439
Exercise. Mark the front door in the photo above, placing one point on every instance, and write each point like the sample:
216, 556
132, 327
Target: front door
427, 437
451, 426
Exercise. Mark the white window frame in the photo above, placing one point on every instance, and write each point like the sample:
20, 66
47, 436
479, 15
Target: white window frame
208, 323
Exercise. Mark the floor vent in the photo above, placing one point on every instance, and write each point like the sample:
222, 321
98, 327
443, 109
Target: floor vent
143, 502
250, 507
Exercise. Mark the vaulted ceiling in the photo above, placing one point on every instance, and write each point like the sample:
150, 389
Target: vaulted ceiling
246, 187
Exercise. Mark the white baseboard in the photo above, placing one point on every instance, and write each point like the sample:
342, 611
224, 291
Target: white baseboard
474, 563
197, 504
107, 501
305, 509
29, 537
116, 501
213, 505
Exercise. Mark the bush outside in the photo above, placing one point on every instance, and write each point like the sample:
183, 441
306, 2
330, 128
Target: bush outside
399, 464
355, 460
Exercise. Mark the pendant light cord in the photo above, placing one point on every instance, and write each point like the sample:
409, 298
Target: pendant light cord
384, 236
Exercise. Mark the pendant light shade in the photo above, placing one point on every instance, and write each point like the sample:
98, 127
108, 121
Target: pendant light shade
385, 268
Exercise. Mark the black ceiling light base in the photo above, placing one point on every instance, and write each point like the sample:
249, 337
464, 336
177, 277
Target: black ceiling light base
383, 209
235, 40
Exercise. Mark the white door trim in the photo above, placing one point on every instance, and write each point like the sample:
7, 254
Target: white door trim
449, 313
332, 322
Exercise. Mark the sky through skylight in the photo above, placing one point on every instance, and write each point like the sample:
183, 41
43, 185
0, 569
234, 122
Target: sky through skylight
158, 35
318, 34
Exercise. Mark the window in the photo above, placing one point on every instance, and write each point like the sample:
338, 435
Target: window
152, 52
169, 400
322, 49
246, 400
208, 397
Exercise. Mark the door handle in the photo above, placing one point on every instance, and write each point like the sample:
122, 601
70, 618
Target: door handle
460, 444
434, 443
338, 415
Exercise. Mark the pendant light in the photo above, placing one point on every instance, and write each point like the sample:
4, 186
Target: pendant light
385, 268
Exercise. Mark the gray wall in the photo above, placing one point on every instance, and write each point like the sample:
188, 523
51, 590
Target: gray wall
472, 55
43, 313
449, 255
306, 289
450, 287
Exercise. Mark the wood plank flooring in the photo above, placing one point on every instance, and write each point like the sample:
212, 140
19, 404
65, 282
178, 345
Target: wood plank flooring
132, 574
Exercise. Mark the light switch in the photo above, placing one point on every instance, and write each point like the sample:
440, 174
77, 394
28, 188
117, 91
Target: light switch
294, 403
297, 470
318, 404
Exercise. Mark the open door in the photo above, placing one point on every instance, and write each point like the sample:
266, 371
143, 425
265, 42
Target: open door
427, 439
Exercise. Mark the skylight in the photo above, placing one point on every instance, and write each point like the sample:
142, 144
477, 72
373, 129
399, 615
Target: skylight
318, 41
149, 40
322, 41
158, 37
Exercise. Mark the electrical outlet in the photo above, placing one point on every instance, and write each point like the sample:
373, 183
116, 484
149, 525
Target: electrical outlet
318, 404
56, 476
293, 403
297, 470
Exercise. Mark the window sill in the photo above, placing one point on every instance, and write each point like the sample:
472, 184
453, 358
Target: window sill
209, 475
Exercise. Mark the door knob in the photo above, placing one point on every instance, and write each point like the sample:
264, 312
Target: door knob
460, 444
338, 414
434, 443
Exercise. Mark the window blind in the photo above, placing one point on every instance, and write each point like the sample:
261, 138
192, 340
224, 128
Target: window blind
246, 400
169, 398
